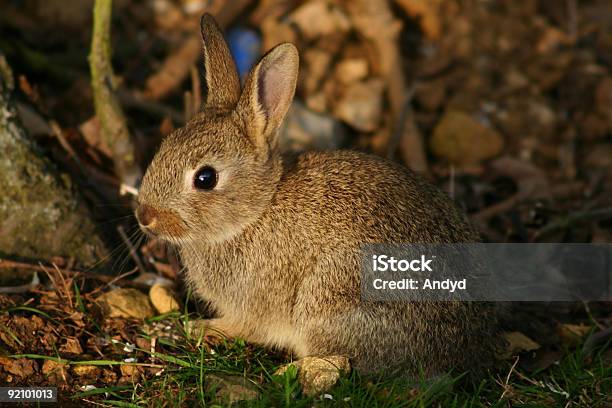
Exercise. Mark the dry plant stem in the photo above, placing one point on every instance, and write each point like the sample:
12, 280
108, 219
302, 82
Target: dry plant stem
564, 190
596, 339
59, 134
113, 124
507, 381
7, 264
575, 218
138, 101
132, 249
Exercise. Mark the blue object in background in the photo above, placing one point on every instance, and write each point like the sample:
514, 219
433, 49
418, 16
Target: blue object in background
245, 45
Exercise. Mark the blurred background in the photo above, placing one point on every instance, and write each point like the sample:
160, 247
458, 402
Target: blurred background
505, 105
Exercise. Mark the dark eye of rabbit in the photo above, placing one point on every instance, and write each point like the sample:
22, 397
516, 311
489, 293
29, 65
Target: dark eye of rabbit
205, 178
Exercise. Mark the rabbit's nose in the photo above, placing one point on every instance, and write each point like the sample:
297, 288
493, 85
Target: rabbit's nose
146, 216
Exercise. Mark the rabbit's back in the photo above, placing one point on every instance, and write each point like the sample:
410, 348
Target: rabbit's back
350, 196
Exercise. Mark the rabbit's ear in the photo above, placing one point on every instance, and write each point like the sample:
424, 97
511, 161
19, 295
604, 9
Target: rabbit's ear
221, 74
268, 93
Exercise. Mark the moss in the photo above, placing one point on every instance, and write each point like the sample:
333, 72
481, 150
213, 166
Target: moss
40, 214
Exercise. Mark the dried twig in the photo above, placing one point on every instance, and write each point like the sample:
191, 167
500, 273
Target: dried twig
113, 124
131, 248
564, 190
574, 218
505, 384
137, 101
21, 288
8, 264
596, 339
59, 134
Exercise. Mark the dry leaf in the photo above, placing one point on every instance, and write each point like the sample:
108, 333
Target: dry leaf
518, 343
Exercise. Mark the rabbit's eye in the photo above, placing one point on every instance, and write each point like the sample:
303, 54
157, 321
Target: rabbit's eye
205, 178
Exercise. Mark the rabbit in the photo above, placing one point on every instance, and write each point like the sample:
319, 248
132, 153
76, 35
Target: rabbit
273, 242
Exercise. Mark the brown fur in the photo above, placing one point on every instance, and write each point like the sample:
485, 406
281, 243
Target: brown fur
275, 246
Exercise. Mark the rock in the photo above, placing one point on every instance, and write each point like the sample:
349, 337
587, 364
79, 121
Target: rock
464, 141
129, 373
40, 214
20, 367
317, 375
125, 302
351, 70
319, 17
56, 372
71, 346
304, 129
88, 371
231, 388
361, 105
108, 376
163, 299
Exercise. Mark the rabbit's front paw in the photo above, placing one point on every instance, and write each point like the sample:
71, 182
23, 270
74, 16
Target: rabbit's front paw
217, 327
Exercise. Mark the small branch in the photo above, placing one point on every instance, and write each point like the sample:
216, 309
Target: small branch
21, 288
574, 218
59, 134
137, 101
560, 191
595, 340
7, 264
113, 124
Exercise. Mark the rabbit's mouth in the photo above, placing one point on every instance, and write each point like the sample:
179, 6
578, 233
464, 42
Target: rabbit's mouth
160, 223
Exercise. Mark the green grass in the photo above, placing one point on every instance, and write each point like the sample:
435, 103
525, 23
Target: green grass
188, 362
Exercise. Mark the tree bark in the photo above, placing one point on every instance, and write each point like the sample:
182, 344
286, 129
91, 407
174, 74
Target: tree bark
41, 216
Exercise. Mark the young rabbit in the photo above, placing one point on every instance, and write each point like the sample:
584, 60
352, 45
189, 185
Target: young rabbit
274, 243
